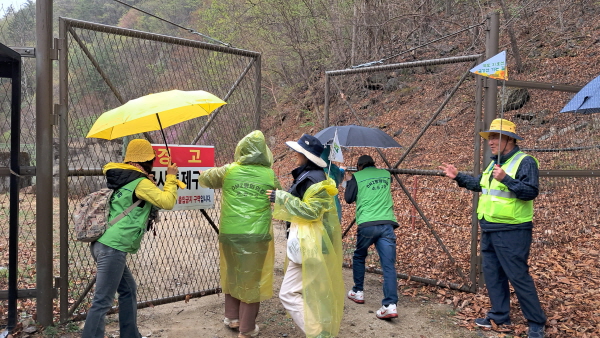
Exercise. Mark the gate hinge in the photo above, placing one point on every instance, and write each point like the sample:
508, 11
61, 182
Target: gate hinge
56, 114
55, 48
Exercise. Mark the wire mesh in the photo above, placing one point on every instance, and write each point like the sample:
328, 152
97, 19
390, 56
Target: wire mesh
558, 141
446, 206
15, 31
108, 67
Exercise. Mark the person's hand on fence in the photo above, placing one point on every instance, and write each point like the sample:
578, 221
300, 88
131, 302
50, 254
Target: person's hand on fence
449, 170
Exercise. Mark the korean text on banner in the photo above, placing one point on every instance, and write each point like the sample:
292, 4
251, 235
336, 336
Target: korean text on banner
494, 67
191, 160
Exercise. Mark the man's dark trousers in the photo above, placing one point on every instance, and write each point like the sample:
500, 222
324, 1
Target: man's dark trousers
505, 255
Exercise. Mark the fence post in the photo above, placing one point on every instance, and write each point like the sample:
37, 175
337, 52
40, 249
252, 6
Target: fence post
257, 68
491, 85
44, 196
326, 120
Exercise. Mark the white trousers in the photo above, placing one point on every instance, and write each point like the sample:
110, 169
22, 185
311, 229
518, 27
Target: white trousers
290, 293
292, 300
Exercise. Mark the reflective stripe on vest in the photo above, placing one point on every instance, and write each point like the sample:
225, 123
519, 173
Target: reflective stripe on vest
498, 204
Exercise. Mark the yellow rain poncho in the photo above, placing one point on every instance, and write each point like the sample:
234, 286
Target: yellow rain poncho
321, 249
245, 231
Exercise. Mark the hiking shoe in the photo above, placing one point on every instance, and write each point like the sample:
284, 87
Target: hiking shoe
253, 333
357, 297
486, 322
387, 312
231, 323
536, 332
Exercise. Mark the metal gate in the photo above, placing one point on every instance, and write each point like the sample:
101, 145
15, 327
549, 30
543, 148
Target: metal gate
102, 67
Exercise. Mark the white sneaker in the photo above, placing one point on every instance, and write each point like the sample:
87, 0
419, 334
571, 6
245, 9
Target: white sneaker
387, 312
357, 297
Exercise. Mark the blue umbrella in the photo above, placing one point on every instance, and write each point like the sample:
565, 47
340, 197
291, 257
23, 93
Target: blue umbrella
357, 136
587, 100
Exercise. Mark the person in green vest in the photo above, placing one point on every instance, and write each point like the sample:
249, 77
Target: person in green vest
131, 181
246, 245
508, 187
370, 188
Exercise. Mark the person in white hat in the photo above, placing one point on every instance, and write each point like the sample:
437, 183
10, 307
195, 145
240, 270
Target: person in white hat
312, 291
505, 211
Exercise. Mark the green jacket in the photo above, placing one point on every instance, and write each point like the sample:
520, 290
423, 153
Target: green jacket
245, 207
374, 203
126, 235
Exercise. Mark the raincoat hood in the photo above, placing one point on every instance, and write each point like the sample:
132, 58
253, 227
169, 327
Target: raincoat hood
252, 149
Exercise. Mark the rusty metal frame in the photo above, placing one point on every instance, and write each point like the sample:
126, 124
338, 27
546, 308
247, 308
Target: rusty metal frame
66, 26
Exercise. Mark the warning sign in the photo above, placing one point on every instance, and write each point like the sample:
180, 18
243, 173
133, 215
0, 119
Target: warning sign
191, 160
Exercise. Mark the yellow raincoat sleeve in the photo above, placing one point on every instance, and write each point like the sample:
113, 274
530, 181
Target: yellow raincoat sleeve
320, 240
164, 199
213, 177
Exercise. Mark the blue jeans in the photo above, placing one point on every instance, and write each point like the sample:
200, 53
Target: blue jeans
384, 238
112, 276
505, 255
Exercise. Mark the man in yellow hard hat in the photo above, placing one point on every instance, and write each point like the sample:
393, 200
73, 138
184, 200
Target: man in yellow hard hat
508, 186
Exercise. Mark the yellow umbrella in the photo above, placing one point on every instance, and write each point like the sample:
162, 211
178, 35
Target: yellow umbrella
154, 112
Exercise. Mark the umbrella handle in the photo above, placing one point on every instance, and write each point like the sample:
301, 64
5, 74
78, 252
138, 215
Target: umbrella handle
163, 135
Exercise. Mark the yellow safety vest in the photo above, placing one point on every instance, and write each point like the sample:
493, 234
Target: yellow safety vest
500, 205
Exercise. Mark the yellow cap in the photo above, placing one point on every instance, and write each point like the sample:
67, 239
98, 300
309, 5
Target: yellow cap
501, 126
139, 150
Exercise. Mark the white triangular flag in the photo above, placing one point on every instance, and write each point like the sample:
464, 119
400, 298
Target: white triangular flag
335, 153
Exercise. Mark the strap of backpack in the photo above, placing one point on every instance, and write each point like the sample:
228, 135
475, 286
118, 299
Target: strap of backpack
124, 213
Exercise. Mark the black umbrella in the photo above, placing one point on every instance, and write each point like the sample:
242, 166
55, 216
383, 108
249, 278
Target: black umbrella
587, 100
357, 136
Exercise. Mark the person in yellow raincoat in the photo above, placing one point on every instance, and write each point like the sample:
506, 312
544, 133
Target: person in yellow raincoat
313, 288
245, 235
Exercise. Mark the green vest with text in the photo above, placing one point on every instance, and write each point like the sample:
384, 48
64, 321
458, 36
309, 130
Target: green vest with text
126, 235
374, 199
498, 204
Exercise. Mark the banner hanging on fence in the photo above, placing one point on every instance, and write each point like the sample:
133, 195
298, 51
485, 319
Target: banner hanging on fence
494, 67
190, 159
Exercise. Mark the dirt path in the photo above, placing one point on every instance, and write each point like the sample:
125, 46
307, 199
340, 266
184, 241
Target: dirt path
203, 317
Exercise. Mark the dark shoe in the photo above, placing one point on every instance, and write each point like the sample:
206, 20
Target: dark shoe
486, 322
536, 332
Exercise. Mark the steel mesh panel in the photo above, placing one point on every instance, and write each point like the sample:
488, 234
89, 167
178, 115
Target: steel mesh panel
418, 251
107, 69
16, 31
558, 141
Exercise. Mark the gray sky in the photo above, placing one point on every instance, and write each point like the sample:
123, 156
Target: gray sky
16, 3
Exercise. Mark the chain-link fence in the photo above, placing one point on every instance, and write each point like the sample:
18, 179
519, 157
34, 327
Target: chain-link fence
108, 66
438, 248
15, 32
